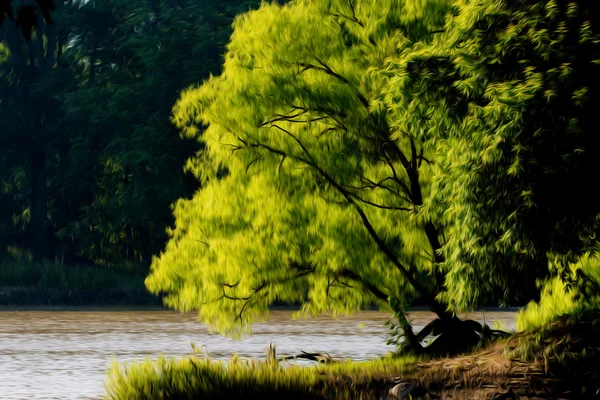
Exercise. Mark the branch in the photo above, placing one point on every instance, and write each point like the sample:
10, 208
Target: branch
423, 292
302, 270
369, 286
289, 119
385, 187
397, 152
345, 273
331, 201
352, 18
398, 180
351, 4
318, 357
325, 68
381, 206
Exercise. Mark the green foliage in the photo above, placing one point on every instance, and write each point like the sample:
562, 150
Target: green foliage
304, 181
580, 292
506, 97
555, 301
68, 277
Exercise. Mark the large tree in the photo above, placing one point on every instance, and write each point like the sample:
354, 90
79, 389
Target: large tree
367, 152
310, 193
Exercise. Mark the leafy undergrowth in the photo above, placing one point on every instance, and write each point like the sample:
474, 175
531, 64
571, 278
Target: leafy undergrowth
560, 361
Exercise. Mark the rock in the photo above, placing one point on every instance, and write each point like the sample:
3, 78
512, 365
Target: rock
401, 391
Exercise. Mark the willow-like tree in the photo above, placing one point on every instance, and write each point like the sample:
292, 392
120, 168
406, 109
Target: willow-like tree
360, 152
309, 192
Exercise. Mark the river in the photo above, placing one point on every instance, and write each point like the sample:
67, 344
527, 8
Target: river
58, 354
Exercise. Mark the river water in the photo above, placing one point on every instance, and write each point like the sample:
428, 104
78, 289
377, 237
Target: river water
56, 354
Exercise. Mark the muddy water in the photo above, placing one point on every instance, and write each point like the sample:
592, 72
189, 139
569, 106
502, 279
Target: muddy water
64, 354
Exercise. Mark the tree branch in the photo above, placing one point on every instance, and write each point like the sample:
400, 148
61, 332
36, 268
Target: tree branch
325, 68
369, 286
429, 299
381, 206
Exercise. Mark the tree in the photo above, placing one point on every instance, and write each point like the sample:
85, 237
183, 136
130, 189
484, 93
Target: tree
32, 47
403, 160
310, 193
510, 101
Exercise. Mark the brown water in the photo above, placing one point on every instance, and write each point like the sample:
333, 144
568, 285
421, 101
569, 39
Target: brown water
64, 354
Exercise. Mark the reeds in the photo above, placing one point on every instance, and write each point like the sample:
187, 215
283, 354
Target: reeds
201, 377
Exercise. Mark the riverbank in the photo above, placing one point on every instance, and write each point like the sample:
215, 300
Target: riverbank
51, 284
559, 361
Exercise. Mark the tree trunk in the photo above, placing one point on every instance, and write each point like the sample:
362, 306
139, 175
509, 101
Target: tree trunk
38, 193
38, 205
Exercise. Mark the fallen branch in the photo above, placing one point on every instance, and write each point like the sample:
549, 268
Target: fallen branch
323, 358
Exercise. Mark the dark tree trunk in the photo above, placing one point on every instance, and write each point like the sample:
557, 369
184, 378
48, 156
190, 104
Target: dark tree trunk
38, 193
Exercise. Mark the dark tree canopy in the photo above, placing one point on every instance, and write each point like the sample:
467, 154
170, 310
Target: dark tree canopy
516, 120
91, 124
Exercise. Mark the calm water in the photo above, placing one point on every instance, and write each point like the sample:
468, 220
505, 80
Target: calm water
64, 354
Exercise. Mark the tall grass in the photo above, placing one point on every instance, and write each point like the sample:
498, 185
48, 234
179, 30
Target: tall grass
562, 360
560, 298
203, 378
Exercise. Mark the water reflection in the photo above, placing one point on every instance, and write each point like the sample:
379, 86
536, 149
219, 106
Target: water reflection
64, 354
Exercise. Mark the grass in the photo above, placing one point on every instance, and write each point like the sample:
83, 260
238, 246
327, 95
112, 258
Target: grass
561, 360
198, 377
26, 283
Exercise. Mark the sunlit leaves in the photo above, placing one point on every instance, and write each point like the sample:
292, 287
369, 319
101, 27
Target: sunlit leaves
325, 104
297, 125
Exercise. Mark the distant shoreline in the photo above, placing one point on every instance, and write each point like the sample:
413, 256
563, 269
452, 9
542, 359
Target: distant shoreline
53, 297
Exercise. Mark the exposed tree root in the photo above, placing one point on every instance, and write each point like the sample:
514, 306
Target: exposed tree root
453, 336
561, 362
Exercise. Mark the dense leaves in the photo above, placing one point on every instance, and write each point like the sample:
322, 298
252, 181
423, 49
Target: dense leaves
515, 119
361, 152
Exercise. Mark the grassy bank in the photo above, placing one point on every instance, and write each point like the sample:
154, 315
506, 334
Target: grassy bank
198, 377
31, 284
561, 360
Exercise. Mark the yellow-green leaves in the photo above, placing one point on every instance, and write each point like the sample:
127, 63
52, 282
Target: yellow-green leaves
381, 150
295, 139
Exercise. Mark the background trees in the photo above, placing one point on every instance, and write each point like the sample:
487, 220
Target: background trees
31, 46
113, 160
